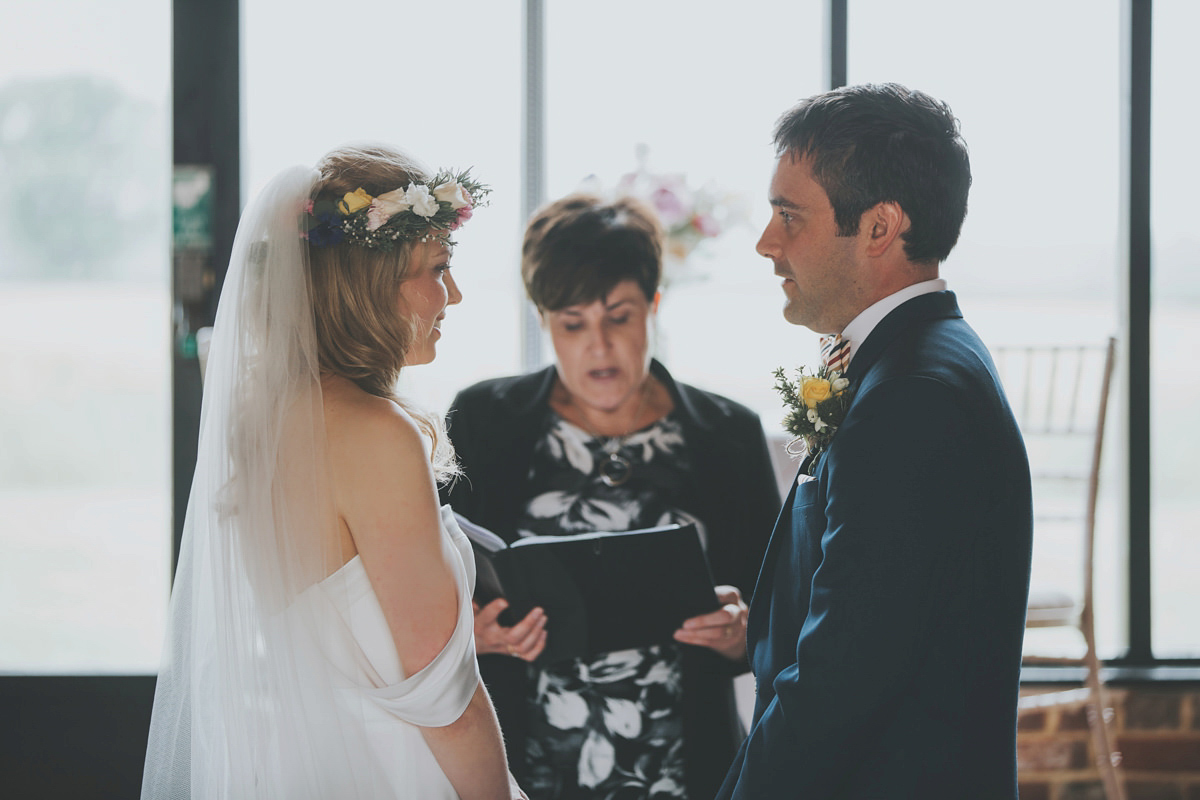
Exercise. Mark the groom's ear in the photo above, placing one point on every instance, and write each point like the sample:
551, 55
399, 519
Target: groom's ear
881, 226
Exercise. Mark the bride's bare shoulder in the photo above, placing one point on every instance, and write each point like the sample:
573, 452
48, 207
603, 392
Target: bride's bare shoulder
358, 423
380, 469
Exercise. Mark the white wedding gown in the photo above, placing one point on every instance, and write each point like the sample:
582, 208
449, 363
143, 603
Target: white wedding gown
352, 648
280, 680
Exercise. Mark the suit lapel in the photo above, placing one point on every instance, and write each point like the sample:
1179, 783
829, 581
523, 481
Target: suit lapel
935, 305
925, 307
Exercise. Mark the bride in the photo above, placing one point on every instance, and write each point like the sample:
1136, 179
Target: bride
321, 629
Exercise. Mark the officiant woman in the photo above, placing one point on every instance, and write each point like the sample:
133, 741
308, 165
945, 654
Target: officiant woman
606, 439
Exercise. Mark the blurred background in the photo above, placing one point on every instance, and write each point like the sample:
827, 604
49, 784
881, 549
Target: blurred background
682, 95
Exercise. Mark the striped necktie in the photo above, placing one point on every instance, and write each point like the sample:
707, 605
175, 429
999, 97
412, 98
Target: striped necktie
835, 352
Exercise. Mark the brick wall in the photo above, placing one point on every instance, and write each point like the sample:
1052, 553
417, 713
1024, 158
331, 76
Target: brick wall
1157, 731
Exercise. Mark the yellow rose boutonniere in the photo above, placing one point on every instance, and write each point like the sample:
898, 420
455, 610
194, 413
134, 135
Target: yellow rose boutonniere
816, 405
814, 390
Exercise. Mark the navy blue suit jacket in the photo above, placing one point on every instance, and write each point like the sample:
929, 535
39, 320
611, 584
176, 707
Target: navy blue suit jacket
886, 627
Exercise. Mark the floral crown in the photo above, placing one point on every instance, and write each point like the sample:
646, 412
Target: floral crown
422, 209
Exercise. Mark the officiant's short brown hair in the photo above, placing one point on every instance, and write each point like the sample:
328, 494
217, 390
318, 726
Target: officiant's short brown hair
578, 248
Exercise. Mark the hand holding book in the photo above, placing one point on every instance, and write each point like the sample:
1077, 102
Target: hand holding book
723, 630
600, 591
525, 640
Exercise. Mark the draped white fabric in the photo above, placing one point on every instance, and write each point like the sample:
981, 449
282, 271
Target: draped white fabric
279, 676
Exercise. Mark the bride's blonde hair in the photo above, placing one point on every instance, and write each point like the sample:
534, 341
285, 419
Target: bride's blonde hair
361, 335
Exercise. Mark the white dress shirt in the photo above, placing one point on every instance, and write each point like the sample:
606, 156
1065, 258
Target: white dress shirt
859, 328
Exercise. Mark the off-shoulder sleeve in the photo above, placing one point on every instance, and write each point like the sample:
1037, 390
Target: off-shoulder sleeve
438, 694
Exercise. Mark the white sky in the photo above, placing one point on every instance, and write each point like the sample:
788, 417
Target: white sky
1036, 84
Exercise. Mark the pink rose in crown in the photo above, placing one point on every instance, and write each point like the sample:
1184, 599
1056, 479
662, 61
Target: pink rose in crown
462, 215
386, 206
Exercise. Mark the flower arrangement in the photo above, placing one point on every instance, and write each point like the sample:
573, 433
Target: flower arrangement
816, 403
436, 207
689, 215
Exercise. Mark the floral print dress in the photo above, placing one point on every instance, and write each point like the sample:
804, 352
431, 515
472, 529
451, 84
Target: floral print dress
608, 727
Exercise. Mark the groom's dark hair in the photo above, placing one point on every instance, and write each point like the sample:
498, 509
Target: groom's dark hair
879, 143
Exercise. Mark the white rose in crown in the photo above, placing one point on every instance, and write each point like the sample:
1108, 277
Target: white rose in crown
385, 206
423, 203
452, 193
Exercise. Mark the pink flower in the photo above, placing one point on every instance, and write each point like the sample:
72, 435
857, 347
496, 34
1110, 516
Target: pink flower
706, 224
308, 207
462, 215
669, 205
385, 207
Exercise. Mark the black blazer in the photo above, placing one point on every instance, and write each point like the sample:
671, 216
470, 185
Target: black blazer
494, 426
886, 629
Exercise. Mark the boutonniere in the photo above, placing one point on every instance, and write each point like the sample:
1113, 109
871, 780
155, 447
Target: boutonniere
816, 405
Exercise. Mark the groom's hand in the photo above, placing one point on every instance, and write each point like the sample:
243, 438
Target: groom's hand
525, 640
723, 630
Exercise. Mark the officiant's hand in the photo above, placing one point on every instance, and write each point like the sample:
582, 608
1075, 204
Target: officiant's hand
525, 640
723, 630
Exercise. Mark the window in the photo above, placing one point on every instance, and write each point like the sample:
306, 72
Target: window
683, 93
84, 336
1038, 256
1175, 375
84, 306
692, 90
415, 77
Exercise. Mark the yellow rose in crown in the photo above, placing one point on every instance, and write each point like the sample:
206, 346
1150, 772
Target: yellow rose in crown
814, 390
355, 201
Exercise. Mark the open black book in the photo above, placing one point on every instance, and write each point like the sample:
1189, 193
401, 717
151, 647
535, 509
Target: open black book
601, 591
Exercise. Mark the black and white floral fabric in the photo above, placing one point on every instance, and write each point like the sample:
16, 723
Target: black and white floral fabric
609, 727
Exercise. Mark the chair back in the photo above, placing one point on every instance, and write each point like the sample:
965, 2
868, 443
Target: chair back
1059, 394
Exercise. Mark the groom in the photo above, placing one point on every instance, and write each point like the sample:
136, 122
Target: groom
885, 632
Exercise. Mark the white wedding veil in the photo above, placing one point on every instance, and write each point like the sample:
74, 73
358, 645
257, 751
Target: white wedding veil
238, 712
